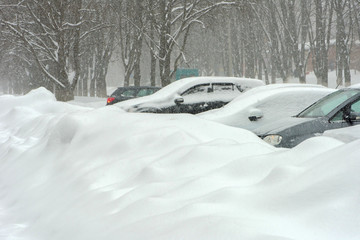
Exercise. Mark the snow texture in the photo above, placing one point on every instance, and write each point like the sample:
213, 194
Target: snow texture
71, 171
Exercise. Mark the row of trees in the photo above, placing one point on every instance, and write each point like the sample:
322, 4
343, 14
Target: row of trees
274, 39
56, 44
67, 46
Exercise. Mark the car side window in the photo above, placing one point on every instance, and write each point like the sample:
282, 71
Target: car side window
143, 92
223, 87
201, 88
338, 117
242, 88
354, 107
128, 93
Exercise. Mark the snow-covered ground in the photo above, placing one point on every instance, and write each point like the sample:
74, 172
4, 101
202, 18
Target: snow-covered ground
83, 171
311, 79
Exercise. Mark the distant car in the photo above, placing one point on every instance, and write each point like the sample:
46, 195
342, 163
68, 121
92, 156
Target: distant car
191, 95
266, 104
126, 93
336, 110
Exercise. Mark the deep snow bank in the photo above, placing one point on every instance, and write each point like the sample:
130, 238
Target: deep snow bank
73, 172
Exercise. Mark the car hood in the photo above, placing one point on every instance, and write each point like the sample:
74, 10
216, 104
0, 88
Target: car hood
280, 125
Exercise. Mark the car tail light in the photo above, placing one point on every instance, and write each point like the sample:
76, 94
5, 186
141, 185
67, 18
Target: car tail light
110, 100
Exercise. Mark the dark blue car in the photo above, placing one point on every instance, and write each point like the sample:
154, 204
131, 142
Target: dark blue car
336, 110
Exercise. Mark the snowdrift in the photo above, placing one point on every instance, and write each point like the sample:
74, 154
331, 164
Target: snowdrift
69, 171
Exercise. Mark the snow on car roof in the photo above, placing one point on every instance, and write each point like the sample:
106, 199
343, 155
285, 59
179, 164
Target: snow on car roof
181, 85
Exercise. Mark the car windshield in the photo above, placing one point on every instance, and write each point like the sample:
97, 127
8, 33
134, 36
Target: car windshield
328, 103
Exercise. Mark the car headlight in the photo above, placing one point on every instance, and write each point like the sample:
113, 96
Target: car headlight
273, 139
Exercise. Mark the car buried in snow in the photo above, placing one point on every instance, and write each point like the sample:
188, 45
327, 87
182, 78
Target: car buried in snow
191, 95
265, 104
337, 110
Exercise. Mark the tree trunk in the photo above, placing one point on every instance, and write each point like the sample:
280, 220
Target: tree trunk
63, 94
152, 69
342, 51
165, 51
322, 40
249, 46
137, 73
137, 41
151, 17
304, 29
76, 48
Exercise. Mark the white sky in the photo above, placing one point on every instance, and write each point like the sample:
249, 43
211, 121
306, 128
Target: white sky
81, 170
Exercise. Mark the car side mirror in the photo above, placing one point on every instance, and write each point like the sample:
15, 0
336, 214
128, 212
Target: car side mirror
179, 101
255, 114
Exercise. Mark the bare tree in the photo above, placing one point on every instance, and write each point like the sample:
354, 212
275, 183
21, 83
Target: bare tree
131, 30
304, 29
52, 34
321, 41
342, 42
96, 54
150, 14
173, 22
52, 38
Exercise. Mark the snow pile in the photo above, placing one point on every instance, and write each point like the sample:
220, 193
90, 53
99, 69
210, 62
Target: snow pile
75, 172
344, 134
